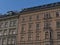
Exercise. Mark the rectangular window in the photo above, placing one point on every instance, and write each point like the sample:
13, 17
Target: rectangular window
30, 18
58, 35
46, 44
13, 41
58, 24
0, 41
47, 25
30, 28
12, 31
6, 24
23, 28
37, 43
4, 41
5, 32
37, 26
57, 14
1, 25
47, 16
9, 41
1, 32
37, 36
37, 17
29, 37
46, 35
12, 23
23, 19
22, 37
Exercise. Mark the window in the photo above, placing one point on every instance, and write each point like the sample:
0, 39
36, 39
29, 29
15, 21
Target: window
22, 37
46, 35
58, 35
1, 32
0, 41
5, 32
37, 26
1, 25
37, 36
30, 18
46, 44
47, 25
58, 24
57, 14
37, 17
30, 29
13, 23
30, 26
37, 43
6, 24
4, 41
9, 40
58, 43
23, 28
23, 19
13, 40
47, 15
12, 31
29, 37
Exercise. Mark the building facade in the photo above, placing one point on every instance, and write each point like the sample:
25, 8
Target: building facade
39, 25
8, 28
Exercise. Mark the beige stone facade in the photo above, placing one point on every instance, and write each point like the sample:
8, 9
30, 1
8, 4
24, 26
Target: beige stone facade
8, 29
39, 26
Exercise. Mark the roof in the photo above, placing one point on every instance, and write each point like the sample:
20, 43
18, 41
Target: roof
46, 6
9, 14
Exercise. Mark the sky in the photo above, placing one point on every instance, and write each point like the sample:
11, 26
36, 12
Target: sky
18, 5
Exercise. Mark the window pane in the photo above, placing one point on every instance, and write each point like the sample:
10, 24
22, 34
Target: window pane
6, 24
46, 35
57, 14
13, 23
58, 35
37, 26
30, 18
37, 17
47, 15
1, 32
47, 25
9, 40
12, 31
58, 24
5, 32
1, 25
4, 41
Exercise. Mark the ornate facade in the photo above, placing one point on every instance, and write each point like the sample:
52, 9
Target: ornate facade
40, 25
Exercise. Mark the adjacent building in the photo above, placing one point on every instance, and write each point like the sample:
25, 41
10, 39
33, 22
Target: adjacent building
39, 25
8, 28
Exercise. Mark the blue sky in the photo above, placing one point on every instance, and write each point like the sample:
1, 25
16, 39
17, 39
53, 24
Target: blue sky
17, 5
